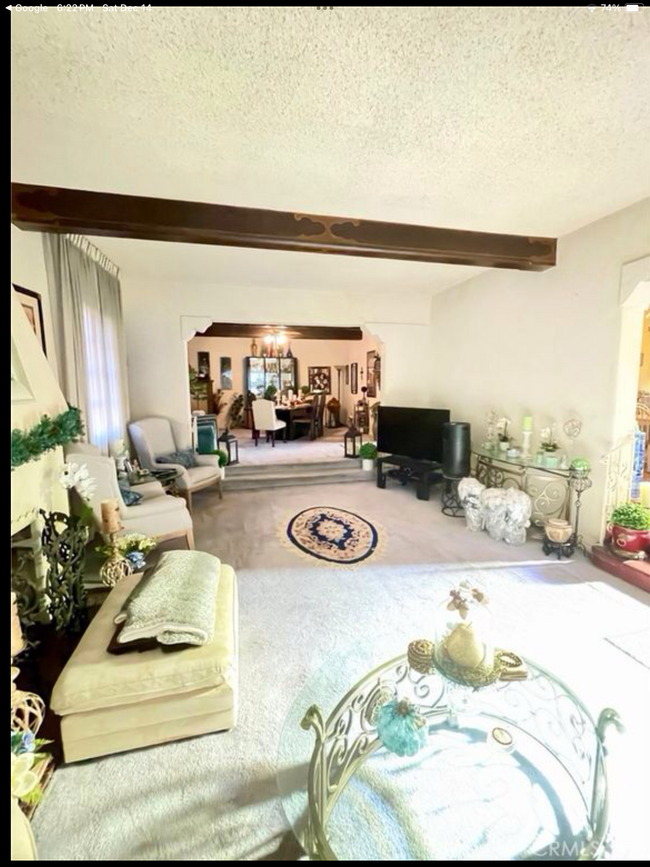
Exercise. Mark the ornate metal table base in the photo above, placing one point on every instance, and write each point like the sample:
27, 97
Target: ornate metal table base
538, 711
550, 489
451, 504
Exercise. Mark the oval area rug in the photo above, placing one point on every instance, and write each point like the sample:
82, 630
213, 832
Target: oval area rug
333, 536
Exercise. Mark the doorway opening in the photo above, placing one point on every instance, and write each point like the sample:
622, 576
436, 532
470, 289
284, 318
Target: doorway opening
286, 394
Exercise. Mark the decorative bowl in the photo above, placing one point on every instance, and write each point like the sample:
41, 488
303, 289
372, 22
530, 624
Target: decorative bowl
558, 531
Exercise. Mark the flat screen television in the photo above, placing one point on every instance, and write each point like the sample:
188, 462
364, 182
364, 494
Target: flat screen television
411, 433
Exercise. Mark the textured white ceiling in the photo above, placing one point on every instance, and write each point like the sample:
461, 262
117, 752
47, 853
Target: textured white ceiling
517, 119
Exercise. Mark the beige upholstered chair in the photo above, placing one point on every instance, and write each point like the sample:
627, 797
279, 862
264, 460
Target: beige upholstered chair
154, 437
265, 419
158, 515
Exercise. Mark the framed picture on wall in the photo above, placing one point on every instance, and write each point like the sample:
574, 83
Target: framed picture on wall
347, 374
320, 379
354, 378
226, 373
33, 307
372, 364
203, 364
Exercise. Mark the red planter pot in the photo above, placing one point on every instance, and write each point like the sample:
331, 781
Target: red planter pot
629, 543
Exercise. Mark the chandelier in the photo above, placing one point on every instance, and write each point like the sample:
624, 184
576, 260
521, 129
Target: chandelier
275, 340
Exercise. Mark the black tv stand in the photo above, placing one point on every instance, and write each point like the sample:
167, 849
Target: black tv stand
424, 473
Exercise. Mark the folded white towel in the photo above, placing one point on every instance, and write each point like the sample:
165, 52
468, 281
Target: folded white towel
176, 603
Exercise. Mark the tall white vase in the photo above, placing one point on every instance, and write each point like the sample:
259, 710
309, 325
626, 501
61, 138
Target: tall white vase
526, 437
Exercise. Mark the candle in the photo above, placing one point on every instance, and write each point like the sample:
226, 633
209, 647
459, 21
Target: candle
528, 422
644, 492
111, 516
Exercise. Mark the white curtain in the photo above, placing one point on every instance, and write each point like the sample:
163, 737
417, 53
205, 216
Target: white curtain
87, 311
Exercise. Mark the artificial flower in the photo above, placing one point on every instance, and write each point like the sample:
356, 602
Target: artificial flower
22, 742
23, 778
77, 476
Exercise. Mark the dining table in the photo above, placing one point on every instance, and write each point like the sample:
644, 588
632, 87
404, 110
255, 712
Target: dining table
289, 412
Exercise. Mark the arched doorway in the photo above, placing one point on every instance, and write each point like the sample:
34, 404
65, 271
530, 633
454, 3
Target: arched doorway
619, 461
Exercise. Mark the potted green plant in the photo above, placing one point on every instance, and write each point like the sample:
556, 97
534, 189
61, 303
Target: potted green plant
629, 530
304, 390
223, 460
270, 392
235, 412
548, 447
368, 453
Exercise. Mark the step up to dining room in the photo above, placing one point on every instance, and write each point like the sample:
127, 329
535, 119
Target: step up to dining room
253, 477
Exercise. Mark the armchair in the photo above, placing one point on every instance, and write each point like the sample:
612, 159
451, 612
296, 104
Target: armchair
153, 437
78, 452
157, 515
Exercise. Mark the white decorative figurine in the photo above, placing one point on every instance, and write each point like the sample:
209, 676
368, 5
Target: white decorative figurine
495, 510
469, 494
504, 512
519, 510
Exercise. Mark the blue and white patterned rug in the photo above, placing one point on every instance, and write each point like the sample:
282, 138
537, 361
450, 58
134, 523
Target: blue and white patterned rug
333, 536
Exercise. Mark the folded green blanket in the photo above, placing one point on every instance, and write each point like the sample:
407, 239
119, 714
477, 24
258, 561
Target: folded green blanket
176, 603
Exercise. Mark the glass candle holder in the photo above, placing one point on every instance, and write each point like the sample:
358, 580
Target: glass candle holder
464, 650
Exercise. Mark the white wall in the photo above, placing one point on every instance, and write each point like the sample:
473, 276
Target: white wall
309, 353
158, 317
28, 271
543, 344
34, 485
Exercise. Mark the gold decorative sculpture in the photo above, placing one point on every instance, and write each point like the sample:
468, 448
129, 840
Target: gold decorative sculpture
463, 651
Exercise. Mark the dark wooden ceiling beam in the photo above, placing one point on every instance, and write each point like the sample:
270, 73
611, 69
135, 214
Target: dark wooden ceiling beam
293, 332
56, 209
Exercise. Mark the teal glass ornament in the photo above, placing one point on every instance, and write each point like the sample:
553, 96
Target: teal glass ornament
401, 729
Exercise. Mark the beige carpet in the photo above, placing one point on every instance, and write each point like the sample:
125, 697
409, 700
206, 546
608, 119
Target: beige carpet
326, 448
216, 797
242, 528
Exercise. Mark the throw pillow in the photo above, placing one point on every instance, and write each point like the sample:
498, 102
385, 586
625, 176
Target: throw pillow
185, 457
130, 497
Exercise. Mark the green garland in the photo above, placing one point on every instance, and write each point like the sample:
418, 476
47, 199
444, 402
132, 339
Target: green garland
46, 435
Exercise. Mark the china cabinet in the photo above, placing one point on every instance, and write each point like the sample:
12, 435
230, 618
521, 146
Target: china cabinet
262, 372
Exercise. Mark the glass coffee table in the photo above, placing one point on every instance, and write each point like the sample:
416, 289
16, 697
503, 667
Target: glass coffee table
514, 771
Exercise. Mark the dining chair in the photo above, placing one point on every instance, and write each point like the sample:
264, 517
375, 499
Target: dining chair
265, 419
319, 409
308, 418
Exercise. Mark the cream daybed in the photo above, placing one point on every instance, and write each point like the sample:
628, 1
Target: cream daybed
111, 703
